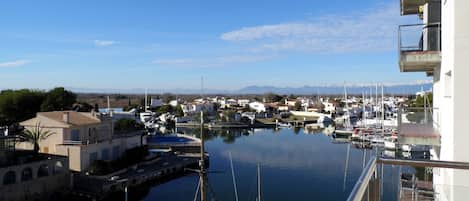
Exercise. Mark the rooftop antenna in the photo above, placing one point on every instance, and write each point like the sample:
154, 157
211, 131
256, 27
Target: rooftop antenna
317, 94
202, 87
109, 107
146, 100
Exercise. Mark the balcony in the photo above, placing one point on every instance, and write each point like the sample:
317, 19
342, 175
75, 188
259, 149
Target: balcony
419, 126
419, 47
411, 7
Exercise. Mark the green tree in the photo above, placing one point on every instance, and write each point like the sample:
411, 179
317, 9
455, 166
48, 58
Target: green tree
165, 109
96, 107
19, 105
178, 111
83, 107
421, 100
228, 115
167, 97
196, 117
35, 135
125, 125
271, 97
58, 99
298, 106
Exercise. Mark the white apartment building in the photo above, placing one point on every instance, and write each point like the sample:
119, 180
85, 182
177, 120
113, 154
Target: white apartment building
443, 54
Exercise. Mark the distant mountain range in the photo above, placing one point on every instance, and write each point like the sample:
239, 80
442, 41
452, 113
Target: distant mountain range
334, 90
305, 90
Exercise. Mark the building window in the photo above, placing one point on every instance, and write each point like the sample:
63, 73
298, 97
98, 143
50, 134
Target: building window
75, 135
27, 174
9, 178
105, 154
93, 157
43, 171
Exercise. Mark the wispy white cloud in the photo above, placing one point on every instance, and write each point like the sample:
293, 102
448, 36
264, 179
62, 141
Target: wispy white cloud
178, 61
15, 63
103, 43
370, 30
211, 62
242, 59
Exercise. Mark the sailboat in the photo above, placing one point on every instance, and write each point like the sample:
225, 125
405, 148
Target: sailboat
347, 130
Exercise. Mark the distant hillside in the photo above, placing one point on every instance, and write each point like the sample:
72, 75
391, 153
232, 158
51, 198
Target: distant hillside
305, 90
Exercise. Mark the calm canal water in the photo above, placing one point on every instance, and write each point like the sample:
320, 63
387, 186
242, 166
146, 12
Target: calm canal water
295, 165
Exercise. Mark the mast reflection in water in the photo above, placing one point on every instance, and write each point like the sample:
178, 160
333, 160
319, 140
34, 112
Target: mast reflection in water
296, 165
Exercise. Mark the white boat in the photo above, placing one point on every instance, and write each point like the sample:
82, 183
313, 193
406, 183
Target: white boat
378, 122
145, 116
344, 131
285, 125
376, 139
414, 148
390, 143
324, 119
391, 154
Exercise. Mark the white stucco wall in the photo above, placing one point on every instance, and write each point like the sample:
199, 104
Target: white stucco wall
453, 98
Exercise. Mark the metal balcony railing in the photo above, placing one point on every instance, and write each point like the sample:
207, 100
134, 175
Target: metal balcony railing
419, 37
410, 187
73, 142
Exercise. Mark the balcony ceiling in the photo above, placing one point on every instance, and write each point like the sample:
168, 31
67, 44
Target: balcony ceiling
411, 7
419, 61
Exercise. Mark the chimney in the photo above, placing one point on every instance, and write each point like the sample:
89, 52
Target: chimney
66, 117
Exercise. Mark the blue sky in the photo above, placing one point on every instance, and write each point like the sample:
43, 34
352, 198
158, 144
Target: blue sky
171, 44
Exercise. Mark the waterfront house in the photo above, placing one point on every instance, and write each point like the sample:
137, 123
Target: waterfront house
290, 103
258, 106
329, 107
243, 102
28, 176
194, 108
283, 108
83, 137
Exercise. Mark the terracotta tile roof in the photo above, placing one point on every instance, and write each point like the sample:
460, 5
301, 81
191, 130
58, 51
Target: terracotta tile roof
75, 118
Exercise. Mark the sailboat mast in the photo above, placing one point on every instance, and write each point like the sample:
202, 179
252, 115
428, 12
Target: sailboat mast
203, 196
364, 110
234, 179
146, 100
108, 105
347, 122
376, 106
382, 106
346, 164
259, 194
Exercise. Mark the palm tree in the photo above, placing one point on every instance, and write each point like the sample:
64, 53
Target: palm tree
35, 135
